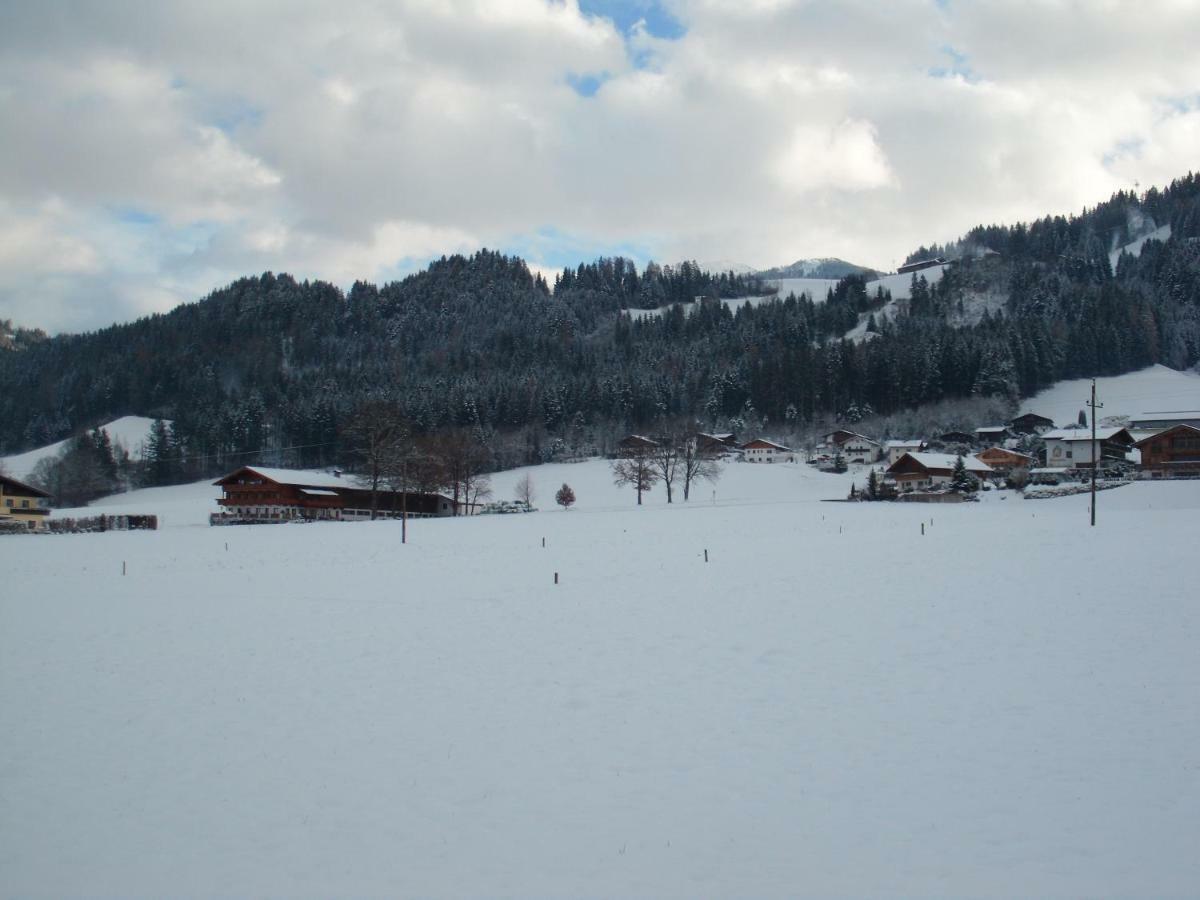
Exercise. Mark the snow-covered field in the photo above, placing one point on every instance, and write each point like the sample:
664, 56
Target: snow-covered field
1134, 248
128, 431
832, 705
1155, 388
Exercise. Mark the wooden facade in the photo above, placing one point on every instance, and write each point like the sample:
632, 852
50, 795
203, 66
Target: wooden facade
1004, 461
253, 494
921, 471
1172, 453
1030, 423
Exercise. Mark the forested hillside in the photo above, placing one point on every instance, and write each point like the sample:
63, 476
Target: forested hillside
480, 342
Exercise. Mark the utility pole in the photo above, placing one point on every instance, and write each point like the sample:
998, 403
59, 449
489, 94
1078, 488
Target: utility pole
1093, 405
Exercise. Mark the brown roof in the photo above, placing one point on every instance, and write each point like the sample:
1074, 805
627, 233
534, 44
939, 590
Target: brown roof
12, 486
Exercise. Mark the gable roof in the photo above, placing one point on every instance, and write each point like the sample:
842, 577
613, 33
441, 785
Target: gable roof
1190, 429
1085, 434
295, 477
1031, 417
764, 444
11, 485
942, 462
904, 445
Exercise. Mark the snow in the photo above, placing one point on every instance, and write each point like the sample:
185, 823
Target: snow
1123, 396
816, 288
1134, 248
128, 431
834, 704
307, 478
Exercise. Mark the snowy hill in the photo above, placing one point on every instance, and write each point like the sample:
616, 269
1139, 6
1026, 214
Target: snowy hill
1153, 388
826, 267
833, 700
128, 431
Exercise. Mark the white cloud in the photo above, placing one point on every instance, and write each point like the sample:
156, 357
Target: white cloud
152, 153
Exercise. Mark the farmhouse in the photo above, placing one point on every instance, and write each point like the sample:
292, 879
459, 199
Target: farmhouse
1071, 448
635, 444
896, 449
992, 434
256, 494
1004, 461
760, 450
918, 471
715, 444
20, 505
1154, 421
859, 449
1171, 453
956, 437
1030, 423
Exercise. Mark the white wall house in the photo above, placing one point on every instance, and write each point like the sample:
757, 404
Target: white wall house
859, 449
1068, 448
761, 450
896, 449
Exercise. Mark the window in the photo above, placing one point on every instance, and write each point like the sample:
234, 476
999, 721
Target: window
24, 504
8, 502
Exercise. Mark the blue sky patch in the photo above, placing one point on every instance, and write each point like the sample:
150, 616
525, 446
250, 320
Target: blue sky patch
625, 14
586, 85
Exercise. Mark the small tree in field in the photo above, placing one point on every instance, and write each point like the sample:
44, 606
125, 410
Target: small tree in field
565, 496
524, 490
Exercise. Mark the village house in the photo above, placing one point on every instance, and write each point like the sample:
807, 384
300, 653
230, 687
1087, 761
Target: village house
20, 505
956, 437
1030, 423
922, 471
1071, 448
992, 434
716, 444
853, 446
635, 444
1172, 453
1156, 421
257, 494
1004, 461
895, 449
760, 450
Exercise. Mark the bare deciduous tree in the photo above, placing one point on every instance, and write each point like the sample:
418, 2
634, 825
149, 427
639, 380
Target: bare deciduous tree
698, 463
374, 433
525, 492
636, 469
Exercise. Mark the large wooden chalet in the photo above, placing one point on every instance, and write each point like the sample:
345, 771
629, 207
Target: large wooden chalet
920, 471
257, 494
1171, 453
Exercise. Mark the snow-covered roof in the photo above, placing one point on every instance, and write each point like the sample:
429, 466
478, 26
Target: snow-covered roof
318, 492
947, 461
991, 429
303, 478
765, 444
904, 445
1080, 434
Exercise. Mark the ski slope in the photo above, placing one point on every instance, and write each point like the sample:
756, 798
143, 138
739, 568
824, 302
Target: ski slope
1123, 396
128, 431
833, 705
1134, 248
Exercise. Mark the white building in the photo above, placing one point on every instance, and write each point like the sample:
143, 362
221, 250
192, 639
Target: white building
760, 450
1069, 448
896, 449
859, 449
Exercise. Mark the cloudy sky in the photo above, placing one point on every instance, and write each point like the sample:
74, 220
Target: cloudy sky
154, 151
